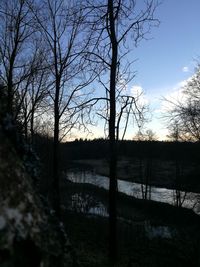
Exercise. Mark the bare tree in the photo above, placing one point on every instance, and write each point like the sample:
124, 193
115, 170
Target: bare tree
148, 135
22, 63
145, 164
61, 25
114, 24
184, 112
174, 135
32, 94
15, 31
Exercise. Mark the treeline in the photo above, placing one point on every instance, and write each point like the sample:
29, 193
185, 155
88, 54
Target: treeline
95, 149
155, 149
99, 149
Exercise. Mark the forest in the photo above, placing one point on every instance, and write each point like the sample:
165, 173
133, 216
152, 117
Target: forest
70, 197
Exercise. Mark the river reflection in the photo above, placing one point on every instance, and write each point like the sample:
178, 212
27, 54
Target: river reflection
87, 204
189, 200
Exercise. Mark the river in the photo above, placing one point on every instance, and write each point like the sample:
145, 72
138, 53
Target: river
185, 199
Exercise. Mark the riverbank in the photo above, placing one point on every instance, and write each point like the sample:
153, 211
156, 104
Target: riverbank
129, 207
162, 172
149, 233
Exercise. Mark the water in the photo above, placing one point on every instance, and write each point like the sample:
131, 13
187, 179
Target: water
189, 200
85, 203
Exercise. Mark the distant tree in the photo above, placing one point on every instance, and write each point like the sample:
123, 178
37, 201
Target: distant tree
145, 164
184, 113
150, 135
147, 135
174, 135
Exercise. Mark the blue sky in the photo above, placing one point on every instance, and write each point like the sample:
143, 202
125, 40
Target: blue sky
175, 44
168, 58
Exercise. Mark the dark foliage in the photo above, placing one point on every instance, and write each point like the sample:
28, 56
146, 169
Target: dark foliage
13, 129
98, 148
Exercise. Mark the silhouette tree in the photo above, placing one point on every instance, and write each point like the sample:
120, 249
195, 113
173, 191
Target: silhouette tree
174, 135
145, 164
116, 26
185, 111
61, 25
32, 94
15, 34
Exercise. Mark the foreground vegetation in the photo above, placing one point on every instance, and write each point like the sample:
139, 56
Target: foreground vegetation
149, 233
134, 246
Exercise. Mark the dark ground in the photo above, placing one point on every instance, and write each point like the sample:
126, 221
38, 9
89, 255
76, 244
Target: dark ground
137, 218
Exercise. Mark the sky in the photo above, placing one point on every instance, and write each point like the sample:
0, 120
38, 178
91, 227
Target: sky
166, 60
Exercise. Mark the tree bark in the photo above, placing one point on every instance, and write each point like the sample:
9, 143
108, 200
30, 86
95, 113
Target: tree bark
112, 138
32, 124
56, 189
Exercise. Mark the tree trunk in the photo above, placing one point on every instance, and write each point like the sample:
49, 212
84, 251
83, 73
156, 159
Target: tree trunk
32, 125
10, 74
112, 139
56, 189
10, 91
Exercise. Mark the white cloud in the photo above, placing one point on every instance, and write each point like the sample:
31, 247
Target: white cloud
175, 95
138, 92
185, 69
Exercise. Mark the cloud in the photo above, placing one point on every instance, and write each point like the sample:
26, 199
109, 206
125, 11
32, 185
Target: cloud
185, 69
176, 95
138, 92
